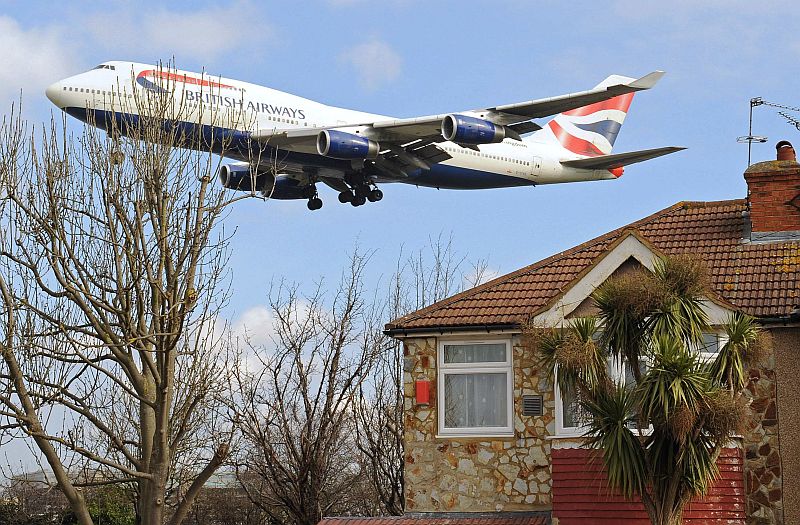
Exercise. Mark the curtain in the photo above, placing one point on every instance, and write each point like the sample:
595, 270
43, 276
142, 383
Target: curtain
476, 400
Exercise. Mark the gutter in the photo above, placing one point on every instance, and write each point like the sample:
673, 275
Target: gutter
405, 332
784, 320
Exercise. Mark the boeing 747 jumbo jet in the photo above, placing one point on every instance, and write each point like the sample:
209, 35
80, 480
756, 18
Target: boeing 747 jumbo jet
298, 142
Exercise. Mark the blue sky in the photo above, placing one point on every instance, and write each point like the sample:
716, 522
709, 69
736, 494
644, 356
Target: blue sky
406, 58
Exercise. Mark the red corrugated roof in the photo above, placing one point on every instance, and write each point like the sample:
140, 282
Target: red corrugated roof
500, 518
761, 279
581, 494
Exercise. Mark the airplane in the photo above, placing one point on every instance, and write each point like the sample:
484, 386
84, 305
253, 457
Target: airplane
284, 145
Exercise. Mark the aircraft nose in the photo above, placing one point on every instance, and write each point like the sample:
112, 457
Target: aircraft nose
53, 92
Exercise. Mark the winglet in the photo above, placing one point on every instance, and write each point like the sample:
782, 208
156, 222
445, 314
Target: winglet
647, 81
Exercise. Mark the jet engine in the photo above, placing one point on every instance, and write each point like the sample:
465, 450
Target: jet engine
238, 176
470, 130
347, 146
287, 188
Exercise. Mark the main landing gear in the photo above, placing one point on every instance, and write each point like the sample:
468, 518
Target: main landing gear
357, 195
360, 194
314, 202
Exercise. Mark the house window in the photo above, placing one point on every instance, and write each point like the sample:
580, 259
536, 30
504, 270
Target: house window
475, 388
571, 418
712, 343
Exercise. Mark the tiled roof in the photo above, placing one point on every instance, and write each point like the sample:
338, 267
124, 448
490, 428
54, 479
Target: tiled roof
761, 279
464, 518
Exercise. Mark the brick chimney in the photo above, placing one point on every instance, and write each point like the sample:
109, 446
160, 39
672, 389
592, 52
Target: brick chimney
773, 189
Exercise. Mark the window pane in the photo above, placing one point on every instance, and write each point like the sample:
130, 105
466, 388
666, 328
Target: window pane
710, 343
477, 353
574, 414
475, 400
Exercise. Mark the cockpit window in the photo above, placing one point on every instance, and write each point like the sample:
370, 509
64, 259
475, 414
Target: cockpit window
105, 66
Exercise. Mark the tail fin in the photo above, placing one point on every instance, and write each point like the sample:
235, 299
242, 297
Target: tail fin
590, 130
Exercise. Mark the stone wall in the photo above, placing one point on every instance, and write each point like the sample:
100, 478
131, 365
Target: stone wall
763, 473
476, 474
787, 362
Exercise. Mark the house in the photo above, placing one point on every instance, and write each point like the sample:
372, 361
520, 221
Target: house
488, 438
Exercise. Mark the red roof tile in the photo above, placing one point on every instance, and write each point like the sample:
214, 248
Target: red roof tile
761, 279
465, 518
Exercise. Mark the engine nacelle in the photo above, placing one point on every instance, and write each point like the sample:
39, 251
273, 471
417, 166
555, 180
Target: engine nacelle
238, 176
346, 146
462, 129
286, 188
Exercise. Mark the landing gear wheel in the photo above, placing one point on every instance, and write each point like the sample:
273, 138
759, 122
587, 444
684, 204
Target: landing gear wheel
375, 195
314, 203
358, 200
346, 196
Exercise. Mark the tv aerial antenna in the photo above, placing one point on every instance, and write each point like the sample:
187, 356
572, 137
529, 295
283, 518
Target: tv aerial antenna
794, 121
750, 138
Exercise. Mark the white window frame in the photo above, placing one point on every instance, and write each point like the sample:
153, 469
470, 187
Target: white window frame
443, 369
561, 430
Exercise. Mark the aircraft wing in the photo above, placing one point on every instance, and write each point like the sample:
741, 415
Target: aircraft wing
523, 111
517, 116
619, 159
394, 160
407, 144
286, 137
513, 114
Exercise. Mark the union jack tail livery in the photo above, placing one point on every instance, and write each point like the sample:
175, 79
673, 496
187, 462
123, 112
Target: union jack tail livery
589, 131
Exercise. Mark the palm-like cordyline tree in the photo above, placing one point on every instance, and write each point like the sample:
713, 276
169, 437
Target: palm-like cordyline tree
660, 436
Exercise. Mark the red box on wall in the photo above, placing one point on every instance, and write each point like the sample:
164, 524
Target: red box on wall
423, 392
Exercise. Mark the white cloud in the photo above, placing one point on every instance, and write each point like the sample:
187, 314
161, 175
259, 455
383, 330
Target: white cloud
375, 62
480, 273
197, 34
32, 59
255, 326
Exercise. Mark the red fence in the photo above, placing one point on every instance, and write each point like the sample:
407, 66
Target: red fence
581, 494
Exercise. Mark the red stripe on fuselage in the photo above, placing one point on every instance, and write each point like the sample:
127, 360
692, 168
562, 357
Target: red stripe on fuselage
620, 103
573, 143
178, 77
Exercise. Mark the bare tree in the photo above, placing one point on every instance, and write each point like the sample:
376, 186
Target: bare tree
378, 425
295, 411
111, 273
427, 276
